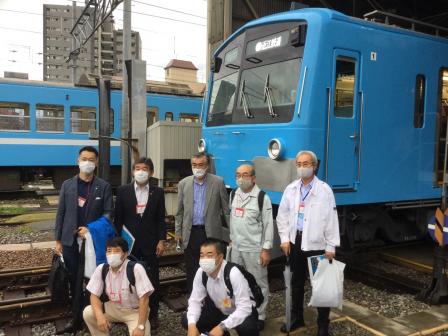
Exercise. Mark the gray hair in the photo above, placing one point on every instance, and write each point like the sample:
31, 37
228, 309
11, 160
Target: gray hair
310, 153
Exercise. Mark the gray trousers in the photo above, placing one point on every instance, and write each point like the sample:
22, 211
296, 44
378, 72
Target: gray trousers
251, 262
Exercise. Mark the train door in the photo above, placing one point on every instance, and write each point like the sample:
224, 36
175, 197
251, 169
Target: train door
343, 136
441, 128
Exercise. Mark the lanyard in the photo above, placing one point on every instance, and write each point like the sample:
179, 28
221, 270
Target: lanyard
302, 199
114, 298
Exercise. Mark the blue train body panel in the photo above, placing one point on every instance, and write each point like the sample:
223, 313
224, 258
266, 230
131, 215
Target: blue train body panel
32, 147
375, 155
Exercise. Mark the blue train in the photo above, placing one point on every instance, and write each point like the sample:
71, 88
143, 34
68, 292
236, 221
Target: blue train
43, 125
370, 99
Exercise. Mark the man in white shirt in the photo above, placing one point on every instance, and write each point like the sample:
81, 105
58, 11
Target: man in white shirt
210, 309
308, 225
252, 231
127, 303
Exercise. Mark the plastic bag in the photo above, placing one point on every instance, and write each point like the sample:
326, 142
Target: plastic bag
90, 257
328, 284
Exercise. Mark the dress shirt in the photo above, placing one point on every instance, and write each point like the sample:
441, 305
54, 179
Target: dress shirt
141, 193
304, 193
199, 201
251, 231
240, 305
115, 280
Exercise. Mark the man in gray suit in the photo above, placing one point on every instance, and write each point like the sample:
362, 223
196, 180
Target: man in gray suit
83, 199
202, 201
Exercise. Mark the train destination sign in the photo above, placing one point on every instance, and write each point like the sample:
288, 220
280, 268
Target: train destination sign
267, 43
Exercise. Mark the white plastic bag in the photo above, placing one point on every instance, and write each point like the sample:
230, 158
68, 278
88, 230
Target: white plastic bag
328, 284
90, 256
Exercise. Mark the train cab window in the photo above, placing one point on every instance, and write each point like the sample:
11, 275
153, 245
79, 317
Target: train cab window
152, 115
344, 93
419, 108
14, 116
49, 118
82, 119
169, 116
185, 117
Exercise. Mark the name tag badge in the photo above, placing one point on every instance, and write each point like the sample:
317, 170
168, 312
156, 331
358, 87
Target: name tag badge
115, 297
227, 303
140, 208
239, 212
81, 201
301, 212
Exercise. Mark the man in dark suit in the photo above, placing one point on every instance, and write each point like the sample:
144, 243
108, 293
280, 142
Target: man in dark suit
140, 206
83, 199
202, 200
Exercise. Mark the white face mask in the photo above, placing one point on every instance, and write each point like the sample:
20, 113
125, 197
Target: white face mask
141, 176
198, 172
86, 167
208, 265
244, 184
114, 259
304, 172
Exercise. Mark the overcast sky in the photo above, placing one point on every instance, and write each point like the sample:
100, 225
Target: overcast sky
179, 31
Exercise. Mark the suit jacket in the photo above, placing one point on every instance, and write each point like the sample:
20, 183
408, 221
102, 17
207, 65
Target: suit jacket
148, 229
99, 204
216, 207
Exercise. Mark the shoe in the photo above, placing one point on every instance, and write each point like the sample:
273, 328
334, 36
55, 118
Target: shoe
71, 327
322, 330
295, 324
154, 323
260, 325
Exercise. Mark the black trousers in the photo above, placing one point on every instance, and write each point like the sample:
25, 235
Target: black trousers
212, 316
299, 269
71, 258
191, 254
153, 262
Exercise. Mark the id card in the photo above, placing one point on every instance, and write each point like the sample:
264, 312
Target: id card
81, 201
227, 303
301, 212
239, 212
140, 208
115, 297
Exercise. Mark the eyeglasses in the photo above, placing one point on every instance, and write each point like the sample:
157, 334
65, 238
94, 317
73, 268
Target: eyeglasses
198, 165
304, 164
244, 175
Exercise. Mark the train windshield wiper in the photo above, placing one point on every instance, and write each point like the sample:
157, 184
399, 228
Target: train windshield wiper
267, 97
243, 101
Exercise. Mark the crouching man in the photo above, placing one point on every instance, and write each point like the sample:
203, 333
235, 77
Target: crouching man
127, 303
210, 308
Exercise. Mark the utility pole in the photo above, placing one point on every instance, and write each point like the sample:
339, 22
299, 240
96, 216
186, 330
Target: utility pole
75, 57
125, 113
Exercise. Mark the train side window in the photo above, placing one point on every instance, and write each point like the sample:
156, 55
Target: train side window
111, 120
82, 119
152, 115
344, 94
186, 117
14, 116
49, 118
169, 116
419, 108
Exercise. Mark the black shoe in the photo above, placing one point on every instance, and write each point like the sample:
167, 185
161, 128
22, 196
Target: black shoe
154, 323
71, 327
322, 330
260, 325
295, 324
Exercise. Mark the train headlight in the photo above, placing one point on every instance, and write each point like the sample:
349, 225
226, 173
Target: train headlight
275, 149
201, 146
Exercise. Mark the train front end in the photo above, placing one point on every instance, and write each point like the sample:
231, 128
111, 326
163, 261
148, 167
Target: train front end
254, 98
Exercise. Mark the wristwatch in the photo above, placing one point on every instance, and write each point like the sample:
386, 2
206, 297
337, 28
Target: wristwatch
141, 327
223, 326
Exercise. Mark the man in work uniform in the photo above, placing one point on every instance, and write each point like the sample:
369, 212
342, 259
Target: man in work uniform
252, 231
307, 222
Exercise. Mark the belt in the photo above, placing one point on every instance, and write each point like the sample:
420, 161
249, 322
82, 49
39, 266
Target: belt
197, 227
